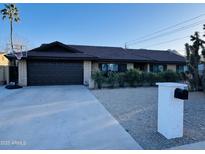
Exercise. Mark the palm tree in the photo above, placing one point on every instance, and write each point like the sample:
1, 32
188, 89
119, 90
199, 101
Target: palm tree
12, 13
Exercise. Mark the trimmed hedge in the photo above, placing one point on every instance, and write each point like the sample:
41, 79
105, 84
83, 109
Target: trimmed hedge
134, 78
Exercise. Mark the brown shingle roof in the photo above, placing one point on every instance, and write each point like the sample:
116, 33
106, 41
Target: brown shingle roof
158, 55
57, 50
109, 53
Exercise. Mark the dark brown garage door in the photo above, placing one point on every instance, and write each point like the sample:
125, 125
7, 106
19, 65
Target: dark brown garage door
55, 73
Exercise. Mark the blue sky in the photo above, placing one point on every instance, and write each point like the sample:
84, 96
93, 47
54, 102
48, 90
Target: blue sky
101, 24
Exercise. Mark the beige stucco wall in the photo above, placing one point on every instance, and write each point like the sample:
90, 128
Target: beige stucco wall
86, 72
171, 67
130, 66
3, 60
148, 67
22, 73
95, 67
3, 68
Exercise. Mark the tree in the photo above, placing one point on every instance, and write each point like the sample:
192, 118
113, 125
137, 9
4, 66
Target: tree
19, 43
193, 59
203, 78
12, 13
203, 50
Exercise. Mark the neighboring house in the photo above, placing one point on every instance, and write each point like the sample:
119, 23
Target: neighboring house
3, 68
3, 60
59, 64
201, 66
201, 69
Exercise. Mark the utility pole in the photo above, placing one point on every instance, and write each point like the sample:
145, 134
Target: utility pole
125, 45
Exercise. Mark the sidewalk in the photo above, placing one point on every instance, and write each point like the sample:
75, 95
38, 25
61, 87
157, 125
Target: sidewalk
193, 146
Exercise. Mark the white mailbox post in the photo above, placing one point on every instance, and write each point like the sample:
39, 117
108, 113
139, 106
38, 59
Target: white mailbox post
170, 110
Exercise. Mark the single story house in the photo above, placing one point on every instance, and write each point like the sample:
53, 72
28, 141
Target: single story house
60, 64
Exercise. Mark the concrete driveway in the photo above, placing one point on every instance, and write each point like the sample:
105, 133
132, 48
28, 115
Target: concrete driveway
58, 117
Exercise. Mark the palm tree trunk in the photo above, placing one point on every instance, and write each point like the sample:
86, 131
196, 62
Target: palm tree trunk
11, 35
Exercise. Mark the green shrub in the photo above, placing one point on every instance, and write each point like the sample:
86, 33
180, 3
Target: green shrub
121, 79
153, 78
160, 77
99, 78
169, 76
112, 79
132, 77
145, 78
140, 79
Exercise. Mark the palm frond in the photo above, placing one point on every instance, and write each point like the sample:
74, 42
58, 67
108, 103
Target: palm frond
10, 11
7, 6
16, 19
3, 17
12, 5
3, 10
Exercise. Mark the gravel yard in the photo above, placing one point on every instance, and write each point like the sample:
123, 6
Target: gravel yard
136, 110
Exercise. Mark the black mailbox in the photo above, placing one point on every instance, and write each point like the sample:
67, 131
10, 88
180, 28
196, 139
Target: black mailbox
181, 93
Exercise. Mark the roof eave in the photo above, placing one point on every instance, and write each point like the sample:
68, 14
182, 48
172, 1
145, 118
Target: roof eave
11, 57
60, 58
170, 62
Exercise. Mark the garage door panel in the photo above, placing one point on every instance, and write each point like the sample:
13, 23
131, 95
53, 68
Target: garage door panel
55, 73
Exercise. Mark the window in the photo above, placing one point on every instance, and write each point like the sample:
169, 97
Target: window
158, 68
113, 67
122, 67
180, 68
104, 67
